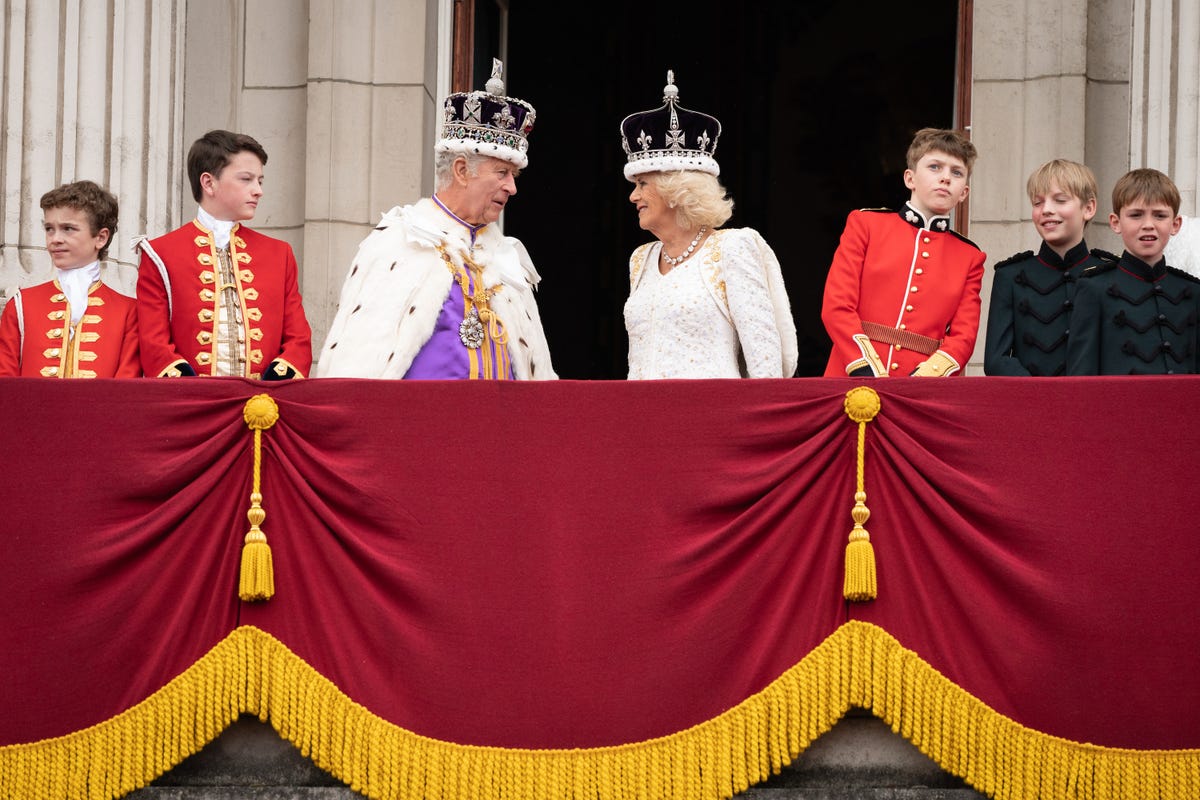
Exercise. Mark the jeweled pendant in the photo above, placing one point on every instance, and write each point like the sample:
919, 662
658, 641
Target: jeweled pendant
470, 330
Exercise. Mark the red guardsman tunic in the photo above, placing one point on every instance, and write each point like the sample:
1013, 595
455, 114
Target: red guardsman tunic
901, 274
178, 298
36, 337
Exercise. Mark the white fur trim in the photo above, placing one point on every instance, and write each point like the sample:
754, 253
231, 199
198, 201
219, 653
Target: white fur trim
492, 150
668, 161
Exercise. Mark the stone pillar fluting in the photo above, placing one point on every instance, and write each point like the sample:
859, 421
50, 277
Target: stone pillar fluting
92, 90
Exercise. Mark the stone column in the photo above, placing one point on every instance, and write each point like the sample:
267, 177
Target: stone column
1108, 107
246, 66
371, 113
1165, 119
1050, 81
91, 91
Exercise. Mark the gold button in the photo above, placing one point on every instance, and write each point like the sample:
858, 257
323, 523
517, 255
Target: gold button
924, 255
899, 347
903, 326
912, 289
895, 366
925, 240
920, 271
908, 308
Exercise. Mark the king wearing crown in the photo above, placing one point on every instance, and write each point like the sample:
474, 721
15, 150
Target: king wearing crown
437, 291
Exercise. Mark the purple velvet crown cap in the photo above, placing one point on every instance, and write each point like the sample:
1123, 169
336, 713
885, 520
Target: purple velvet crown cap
670, 138
487, 122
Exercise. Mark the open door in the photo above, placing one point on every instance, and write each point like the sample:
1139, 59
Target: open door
818, 105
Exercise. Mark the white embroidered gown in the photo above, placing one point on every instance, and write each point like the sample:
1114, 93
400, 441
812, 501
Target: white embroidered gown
693, 321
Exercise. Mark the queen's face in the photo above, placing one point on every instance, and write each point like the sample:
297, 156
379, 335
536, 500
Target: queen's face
653, 212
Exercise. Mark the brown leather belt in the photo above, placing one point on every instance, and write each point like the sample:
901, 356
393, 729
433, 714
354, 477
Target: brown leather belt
898, 338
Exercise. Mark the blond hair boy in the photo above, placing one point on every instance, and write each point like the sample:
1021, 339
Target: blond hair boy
1032, 296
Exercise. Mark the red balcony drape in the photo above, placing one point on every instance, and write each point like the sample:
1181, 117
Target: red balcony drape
585, 566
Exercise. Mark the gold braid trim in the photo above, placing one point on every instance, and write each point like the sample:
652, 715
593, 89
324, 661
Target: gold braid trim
860, 664
936, 366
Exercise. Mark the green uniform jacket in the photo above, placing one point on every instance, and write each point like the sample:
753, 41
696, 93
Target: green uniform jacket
1030, 311
1131, 318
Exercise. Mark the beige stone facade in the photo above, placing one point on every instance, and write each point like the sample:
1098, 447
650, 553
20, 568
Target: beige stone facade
344, 97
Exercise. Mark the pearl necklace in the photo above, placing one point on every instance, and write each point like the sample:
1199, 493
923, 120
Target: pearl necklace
674, 262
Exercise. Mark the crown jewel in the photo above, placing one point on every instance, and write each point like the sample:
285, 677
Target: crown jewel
670, 137
488, 122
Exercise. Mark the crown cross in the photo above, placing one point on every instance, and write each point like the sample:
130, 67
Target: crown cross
674, 139
471, 110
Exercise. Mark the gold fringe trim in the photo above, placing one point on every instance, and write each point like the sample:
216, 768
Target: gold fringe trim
858, 665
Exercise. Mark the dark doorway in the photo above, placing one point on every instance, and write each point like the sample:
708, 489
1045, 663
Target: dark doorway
817, 101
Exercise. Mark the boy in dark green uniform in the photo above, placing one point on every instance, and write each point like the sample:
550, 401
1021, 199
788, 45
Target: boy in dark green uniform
1033, 294
1135, 315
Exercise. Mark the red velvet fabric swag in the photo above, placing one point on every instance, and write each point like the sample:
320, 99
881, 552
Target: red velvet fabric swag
579, 564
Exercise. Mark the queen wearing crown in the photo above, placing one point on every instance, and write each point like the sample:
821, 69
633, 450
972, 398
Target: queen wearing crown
704, 302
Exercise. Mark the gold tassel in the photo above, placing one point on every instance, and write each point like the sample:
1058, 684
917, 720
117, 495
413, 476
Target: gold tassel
257, 580
861, 405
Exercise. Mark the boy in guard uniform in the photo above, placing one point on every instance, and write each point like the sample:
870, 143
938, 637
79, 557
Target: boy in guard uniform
73, 326
902, 295
215, 297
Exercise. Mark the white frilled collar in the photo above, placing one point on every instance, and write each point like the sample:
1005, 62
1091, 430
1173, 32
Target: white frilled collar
220, 228
75, 284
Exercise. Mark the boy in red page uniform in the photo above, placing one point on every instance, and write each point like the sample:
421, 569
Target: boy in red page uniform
73, 326
215, 297
902, 295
